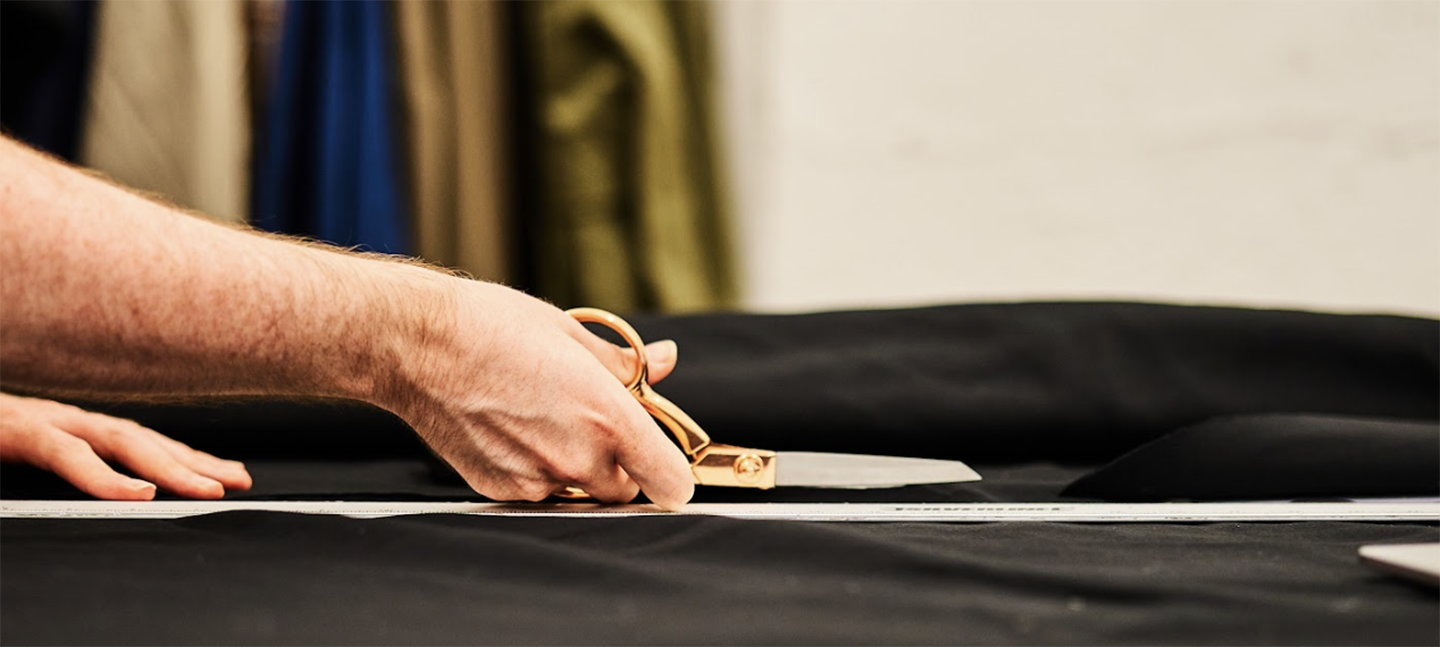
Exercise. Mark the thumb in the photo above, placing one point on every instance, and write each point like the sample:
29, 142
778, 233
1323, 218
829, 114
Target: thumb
662, 355
620, 360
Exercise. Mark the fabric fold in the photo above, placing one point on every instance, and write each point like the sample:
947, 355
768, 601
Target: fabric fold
1274, 456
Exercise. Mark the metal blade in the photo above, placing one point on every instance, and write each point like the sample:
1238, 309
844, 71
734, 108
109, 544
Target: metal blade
859, 471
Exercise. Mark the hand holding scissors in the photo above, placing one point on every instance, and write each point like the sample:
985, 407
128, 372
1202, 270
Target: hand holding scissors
728, 465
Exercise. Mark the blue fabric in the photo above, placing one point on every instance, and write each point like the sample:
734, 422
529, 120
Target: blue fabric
328, 165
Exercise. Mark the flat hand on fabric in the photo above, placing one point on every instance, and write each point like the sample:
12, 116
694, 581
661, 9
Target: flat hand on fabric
731, 466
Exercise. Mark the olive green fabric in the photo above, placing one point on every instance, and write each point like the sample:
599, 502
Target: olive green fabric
451, 62
630, 213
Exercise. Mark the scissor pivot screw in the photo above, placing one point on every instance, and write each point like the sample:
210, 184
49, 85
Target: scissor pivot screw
748, 468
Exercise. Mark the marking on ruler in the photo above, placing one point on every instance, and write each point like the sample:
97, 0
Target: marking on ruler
1427, 510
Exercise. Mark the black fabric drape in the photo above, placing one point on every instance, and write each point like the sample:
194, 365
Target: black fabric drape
1275, 455
990, 384
1062, 381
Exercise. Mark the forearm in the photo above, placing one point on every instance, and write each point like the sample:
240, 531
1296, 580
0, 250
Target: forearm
106, 294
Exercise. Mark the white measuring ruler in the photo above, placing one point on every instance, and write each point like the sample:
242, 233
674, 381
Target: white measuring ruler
1386, 510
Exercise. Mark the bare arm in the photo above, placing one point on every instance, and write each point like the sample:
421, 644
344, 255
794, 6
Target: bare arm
106, 293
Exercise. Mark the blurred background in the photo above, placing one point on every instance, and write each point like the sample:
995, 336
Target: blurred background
782, 155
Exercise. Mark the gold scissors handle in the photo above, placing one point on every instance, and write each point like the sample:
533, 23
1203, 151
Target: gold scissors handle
692, 438
712, 463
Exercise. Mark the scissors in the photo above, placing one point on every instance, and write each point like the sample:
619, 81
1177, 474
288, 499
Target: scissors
731, 466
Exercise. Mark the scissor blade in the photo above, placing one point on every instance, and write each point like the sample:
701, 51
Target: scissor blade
859, 471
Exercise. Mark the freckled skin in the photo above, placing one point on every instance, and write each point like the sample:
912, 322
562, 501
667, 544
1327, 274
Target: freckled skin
108, 294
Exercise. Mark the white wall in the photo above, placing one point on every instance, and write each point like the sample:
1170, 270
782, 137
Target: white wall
1263, 152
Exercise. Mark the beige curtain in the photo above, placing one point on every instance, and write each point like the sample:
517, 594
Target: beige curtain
169, 109
631, 215
452, 73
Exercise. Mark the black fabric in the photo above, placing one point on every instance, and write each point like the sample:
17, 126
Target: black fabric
24, 25
266, 429
1061, 381
1034, 396
1275, 456
270, 578
266, 578
45, 51
411, 479
1079, 383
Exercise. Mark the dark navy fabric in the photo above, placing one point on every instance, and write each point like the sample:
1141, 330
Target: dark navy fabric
328, 163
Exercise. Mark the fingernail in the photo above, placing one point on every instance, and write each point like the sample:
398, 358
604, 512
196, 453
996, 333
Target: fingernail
662, 351
138, 485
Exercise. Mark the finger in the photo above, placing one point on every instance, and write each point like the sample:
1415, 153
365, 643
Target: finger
620, 360
231, 474
614, 487
663, 356
128, 443
105, 433
657, 466
75, 461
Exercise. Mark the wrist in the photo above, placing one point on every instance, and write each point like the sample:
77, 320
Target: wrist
406, 318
